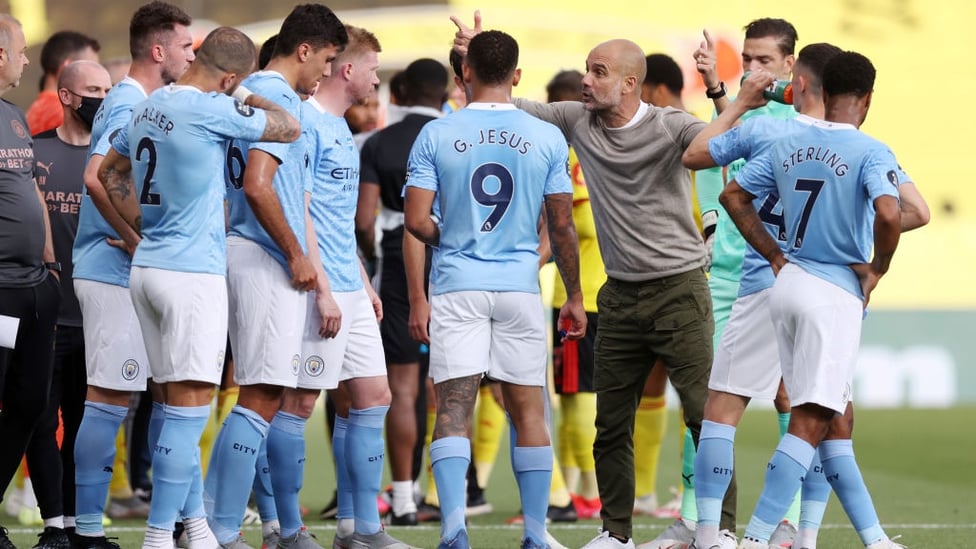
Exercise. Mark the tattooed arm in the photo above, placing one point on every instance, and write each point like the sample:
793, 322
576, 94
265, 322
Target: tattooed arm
281, 127
738, 203
115, 174
565, 250
96, 190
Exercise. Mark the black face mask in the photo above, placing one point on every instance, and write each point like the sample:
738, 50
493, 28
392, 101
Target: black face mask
86, 111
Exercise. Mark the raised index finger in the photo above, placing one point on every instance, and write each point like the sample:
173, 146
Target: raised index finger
708, 39
464, 27
460, 25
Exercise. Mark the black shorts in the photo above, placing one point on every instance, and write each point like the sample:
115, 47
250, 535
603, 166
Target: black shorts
572, 361
398, 346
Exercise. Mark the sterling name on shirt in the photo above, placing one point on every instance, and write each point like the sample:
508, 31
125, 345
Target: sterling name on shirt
820, 154
502, 138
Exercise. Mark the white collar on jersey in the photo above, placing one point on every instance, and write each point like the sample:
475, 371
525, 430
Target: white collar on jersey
315, 104
173, 88
491, 106
825, 125
133, 82
641, 112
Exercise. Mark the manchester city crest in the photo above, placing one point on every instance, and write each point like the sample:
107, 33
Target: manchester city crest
130, 370
314, 366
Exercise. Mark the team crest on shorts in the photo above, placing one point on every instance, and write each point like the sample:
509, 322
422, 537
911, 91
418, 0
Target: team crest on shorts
314, 366
847, 393
220, 361
130, 370
296, 362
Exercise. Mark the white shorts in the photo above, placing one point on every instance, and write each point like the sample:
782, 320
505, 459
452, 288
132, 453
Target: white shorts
355, 352
747, 358
501, 334
267, 316
184, 322
818, 330
115, 355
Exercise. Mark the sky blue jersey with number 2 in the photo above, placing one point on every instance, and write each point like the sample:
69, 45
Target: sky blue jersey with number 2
491, 167
177, 142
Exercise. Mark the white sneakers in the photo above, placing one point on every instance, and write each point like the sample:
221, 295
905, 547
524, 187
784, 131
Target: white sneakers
606, 541
886, 544
677, 536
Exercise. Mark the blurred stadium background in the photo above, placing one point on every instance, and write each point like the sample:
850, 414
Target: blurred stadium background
917, 350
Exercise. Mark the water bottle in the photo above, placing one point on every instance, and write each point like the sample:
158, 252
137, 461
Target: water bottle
780, 91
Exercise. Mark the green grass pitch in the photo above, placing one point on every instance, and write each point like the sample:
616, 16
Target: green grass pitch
920, 466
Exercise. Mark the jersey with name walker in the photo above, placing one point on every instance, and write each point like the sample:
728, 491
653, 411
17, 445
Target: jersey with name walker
828, 176
753, 137
177, 141
94, 258
491, 167
334, 168
290, 181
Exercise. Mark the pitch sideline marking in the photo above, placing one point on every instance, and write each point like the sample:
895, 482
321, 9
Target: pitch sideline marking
593, 526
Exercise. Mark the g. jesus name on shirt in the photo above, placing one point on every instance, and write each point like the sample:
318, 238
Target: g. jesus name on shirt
496, 137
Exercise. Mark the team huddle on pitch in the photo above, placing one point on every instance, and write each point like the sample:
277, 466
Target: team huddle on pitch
221, 201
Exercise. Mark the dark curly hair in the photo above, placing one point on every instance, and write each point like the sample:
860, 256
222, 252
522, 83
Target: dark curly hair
493, 56
849, 73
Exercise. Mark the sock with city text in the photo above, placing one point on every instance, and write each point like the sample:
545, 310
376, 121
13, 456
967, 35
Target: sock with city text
231, 472
364, 459
286, 458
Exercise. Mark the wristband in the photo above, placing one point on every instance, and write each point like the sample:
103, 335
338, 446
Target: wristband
715, 95
241, 94
709, 221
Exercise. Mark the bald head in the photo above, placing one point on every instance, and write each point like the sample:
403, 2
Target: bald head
14, 47
8, 26
626, 57
78, 75
615, 71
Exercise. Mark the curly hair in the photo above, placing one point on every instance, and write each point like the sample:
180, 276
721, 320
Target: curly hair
493, 56
849, 73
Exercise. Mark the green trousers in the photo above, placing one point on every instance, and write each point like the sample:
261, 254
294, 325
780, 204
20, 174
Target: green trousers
640, 322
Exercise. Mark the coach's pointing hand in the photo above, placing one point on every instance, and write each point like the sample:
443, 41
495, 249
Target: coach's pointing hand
465, 33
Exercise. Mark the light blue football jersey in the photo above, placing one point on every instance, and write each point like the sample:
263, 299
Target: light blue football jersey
335, 192
177, 142
491, 167
828, 176
751, 138
94, 259
290, 181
